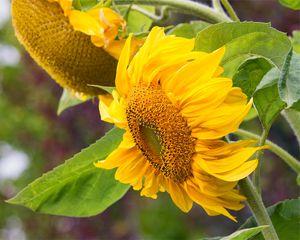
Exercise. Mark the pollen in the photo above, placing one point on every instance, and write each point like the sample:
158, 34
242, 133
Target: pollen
67, 55
160, 132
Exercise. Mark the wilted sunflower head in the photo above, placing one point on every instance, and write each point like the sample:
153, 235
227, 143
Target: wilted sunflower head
67, 55
175, 109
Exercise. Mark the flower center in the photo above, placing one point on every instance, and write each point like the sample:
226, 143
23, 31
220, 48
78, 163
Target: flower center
160, 132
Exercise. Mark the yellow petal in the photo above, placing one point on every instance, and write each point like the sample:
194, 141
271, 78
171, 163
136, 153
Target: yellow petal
195, 73
151, 185
221, 148
104, 103
208, 203
122, 82
211, 185
132, 170
235, 174
85, 23
222, 121
118, 157
128, 141
209, 95
227, 163
136, 66
179, 196
113, 109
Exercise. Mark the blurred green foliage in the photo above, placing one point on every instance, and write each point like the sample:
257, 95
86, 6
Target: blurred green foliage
28, 121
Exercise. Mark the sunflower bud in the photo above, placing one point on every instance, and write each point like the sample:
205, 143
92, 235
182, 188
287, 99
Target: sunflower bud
69, 56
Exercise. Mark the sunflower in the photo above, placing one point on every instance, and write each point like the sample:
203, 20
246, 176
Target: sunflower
175, 109
68, 56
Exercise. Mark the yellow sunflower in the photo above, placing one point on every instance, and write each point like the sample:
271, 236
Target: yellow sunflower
175, 109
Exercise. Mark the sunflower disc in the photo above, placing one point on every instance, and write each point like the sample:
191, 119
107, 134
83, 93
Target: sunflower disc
67, 55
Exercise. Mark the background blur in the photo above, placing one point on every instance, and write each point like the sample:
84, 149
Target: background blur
33, 140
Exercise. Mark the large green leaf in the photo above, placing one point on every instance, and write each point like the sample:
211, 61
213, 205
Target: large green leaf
296, 41
189, 30
137, 22
243, 234
266, 98
293, 4
250, 73
250, 53
285, 217
289, 82
84, 4
244, 40
248, 76
76, 188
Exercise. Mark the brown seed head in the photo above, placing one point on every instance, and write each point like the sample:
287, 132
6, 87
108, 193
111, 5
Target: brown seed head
67, 55
160, 132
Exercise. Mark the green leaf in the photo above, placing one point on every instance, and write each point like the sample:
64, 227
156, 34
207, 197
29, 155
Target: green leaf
296, 41
266, 98
67, 100
251, 115
136, 22
76, 188
189, 30
289, 82
243, 234
285, 217
293, 4
250, 73
105, 88
244, 40
84, 4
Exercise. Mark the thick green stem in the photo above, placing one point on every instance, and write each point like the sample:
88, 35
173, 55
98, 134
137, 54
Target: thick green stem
230, 10
146, 13
218, 6
259, 153
284, 155
258, 209
198, 9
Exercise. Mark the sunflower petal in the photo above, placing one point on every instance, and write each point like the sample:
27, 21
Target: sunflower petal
179, 197
122, 82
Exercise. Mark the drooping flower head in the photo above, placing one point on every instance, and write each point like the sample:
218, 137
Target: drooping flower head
69, 56
175, 109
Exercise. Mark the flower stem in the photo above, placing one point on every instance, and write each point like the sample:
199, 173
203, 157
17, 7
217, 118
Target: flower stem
256, 174
156, 18
258, 209
194, 8
230, 10
218, 6
284, 155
